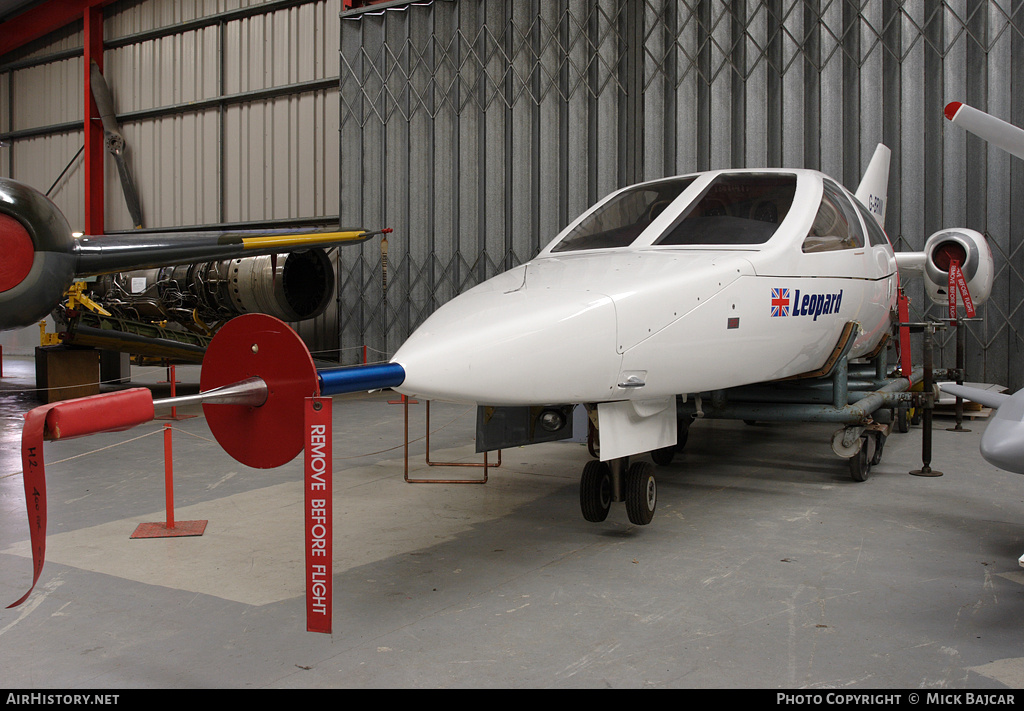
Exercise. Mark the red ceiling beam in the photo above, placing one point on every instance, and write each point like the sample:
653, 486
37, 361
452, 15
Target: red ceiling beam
93, 52
42, 20
356, 4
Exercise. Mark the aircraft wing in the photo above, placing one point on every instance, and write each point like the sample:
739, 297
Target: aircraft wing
1002, 443
40, 260
996, 131
107, 254
988, 398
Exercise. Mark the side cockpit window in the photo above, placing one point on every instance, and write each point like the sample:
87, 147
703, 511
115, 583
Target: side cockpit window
735, 209
621, 219
836, 225
876, 235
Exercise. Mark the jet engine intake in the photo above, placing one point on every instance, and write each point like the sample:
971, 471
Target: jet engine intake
292, 287
971, 250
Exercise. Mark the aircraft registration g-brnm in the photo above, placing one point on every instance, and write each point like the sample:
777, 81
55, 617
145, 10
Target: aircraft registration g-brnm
672, 288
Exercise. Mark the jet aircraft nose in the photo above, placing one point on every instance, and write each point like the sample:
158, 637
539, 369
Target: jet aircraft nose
499, 347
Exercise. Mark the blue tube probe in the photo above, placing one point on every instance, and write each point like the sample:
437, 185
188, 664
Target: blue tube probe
377, 376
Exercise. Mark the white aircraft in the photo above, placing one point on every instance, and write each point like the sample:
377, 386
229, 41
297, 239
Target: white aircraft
996, 131
663, 290
675, 287
1002, 444
669, 289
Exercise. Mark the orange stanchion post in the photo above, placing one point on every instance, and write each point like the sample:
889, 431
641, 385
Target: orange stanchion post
174, 408
169, 474
169, 529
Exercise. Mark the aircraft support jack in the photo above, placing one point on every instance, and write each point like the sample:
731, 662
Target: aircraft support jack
928, 403
961, 369
867, 403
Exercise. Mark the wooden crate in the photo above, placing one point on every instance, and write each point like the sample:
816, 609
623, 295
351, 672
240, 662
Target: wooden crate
63, 373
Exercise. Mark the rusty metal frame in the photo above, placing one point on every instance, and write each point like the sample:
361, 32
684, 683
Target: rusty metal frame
485, 464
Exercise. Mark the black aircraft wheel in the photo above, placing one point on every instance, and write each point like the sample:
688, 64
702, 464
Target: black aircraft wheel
663, 456
902, 418
879, 445
682, 432
641, 493
596, 491
860, 463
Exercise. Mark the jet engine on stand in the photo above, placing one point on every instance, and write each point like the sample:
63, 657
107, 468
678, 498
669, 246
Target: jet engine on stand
187, 303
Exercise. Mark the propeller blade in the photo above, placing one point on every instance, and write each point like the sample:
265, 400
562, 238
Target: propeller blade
131, 196
115, 142
104, 101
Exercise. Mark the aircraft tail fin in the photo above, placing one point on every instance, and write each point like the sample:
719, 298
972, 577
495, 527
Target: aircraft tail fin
874, 186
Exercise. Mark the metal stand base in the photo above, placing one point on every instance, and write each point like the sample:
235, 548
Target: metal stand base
178, 529
485, 464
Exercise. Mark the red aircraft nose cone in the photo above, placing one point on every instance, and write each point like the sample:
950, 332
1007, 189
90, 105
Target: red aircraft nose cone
17, 250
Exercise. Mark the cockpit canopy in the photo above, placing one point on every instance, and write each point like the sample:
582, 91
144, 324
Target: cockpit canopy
733, 209
621, 219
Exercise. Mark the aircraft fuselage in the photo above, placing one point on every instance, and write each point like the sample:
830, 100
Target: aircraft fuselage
675, 286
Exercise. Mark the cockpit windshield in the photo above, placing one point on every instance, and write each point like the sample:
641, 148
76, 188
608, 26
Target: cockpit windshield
621, 219
735, 209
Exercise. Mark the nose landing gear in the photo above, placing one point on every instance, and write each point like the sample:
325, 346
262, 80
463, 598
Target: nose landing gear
618, 480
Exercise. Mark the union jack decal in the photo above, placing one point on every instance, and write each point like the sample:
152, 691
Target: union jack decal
780, 302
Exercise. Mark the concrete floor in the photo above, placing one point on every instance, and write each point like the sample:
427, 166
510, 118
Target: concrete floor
766, 566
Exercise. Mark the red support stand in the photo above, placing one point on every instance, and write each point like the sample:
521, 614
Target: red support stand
903, 304
170, 376
169, 529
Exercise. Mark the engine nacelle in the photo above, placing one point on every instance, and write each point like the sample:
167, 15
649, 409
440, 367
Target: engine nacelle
294, 287
291, 287
37, 259
971, 250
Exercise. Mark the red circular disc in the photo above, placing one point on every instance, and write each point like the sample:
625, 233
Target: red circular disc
261, 346
17, 250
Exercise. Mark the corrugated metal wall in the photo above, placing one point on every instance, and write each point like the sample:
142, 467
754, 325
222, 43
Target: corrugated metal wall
229, 109
478, 128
